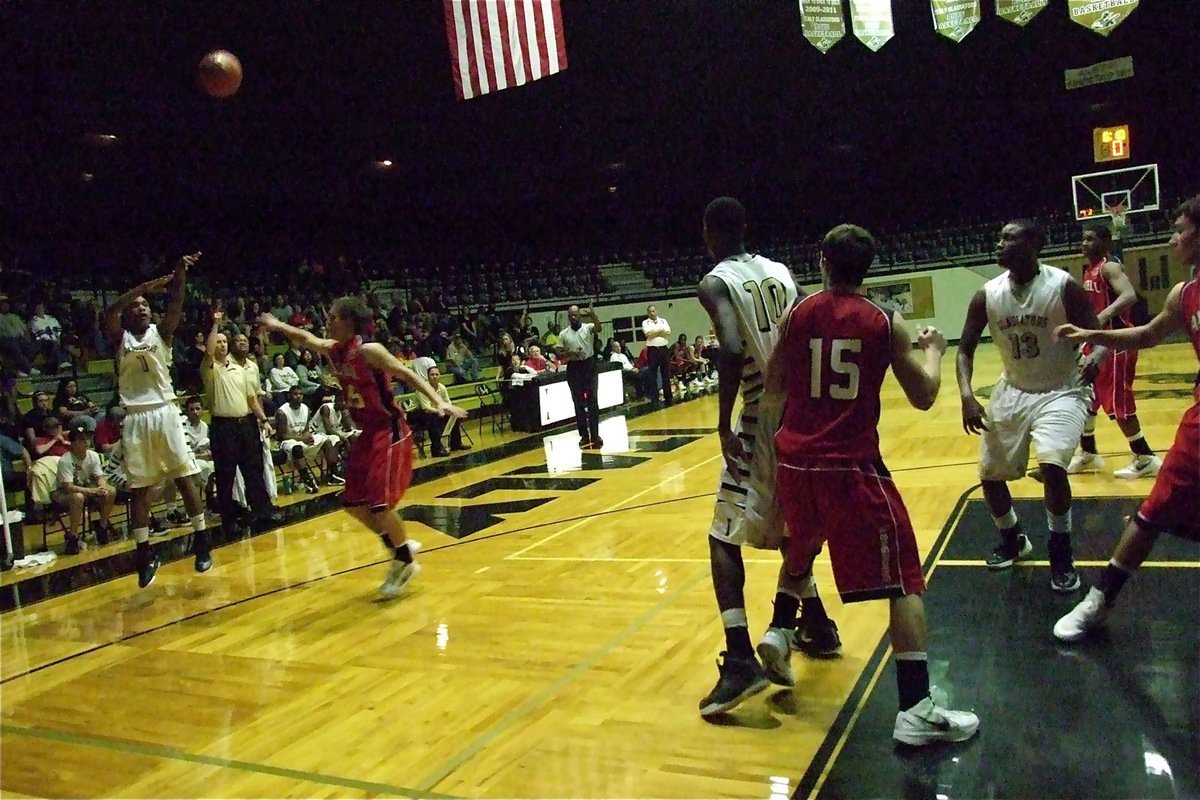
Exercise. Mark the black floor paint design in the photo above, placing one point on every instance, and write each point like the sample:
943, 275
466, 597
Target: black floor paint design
547, 484
1116, 716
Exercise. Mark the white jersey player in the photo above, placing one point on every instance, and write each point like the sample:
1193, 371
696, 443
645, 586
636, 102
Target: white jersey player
153, 439
745, 295
1041, 399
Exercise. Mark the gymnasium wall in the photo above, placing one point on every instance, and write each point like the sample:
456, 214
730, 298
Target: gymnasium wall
934, 297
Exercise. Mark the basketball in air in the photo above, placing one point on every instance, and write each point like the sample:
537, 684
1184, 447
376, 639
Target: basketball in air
220, 73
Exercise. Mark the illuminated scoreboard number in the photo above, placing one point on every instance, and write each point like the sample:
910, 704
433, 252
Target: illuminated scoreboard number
1110, 144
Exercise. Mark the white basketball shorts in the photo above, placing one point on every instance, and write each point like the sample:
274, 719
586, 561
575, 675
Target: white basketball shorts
1052, 421
156, 447
746, 511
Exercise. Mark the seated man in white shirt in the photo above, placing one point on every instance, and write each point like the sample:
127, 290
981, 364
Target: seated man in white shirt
427, 419
80, 483
300, 444
332, 419
195, 432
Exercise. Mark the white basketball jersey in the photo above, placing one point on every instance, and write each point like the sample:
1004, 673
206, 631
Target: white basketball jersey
297, 418
144, 370
1022, 320
762, 290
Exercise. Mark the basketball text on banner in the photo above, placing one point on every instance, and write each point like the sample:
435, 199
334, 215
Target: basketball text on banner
1102, 72
822, 23
954, 19
1019, 12
495, 44
872, 22
1101, 16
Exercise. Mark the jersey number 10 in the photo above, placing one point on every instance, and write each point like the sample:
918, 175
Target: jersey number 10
768, 297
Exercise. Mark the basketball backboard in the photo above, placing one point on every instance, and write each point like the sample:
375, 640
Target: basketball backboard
1130, 190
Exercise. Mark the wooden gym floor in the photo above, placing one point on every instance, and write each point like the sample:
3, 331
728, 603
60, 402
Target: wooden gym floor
563, 631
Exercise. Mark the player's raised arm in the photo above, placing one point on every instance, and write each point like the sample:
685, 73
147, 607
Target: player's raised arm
378, 357
921, 378
174, 310
1168, 321
301, 337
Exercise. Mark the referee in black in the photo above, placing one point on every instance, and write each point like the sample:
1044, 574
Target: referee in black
237, 416
576, 343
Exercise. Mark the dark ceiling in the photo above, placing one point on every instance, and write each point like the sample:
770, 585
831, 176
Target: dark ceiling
692, 98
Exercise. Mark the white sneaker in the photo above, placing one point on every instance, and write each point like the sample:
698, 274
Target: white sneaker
926, 723
1090, 612
398, 577
775, 652
1085, 462
1140, 467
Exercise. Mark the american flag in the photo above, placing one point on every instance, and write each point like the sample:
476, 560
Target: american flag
495, 44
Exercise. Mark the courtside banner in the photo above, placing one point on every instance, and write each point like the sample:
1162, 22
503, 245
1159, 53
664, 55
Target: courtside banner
954, 19
822, 23
1019, 12
1100, 16
496, 44
1102, 72
872, 22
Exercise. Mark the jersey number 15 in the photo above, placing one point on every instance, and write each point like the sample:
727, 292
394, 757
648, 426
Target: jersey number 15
838, 348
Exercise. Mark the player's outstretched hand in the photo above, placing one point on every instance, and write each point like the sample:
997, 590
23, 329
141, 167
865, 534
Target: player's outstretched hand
1072, 333
931, 338
973, 415
734, 452
268, 321
445, 408
189, 260
156, 285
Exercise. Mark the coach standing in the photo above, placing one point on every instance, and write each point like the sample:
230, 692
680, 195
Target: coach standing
658, 333
237, 415
576, 343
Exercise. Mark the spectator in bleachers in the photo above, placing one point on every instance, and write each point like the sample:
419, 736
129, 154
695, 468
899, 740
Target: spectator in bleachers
108, 430
427, 419
33, 423
46, 332
73, 407
52, 441
282, 309
81, 482
463, 363
11, 450
506, 348
10, 414
16, 348
536, 361
697, 351
332, 419
312, 377
551, 337
195, 430
280, 380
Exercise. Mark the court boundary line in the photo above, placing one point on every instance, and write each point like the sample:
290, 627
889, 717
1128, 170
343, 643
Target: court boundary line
460, 543
134, 747
821, 765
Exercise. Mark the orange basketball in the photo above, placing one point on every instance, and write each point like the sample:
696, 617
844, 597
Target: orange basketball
220, 73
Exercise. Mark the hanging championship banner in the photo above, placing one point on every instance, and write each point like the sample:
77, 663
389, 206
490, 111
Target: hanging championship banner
1019, 12
872, 22
822, 23
954, 19
1101, 16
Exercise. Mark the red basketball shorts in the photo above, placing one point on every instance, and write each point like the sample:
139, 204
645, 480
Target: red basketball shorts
1174, 502
378, 468
856, 509
1114, 385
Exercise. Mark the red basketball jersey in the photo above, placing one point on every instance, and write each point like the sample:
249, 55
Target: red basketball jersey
837, 348
1189, 300
1101, 294
369, 395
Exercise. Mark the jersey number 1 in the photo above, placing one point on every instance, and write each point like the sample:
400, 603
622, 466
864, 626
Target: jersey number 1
839, 347
770, 292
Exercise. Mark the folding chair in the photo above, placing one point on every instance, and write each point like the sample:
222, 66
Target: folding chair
491, 405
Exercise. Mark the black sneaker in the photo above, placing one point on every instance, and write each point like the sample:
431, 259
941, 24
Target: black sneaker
1005, 555
102, 532
203, 561
146, 572
157, 526
311, 487
177, 517
1063, 577
817, 638
73, 546
741, 678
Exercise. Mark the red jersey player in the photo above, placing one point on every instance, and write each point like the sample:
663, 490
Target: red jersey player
1112, 296
379, 467
831, 481
1175, 498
